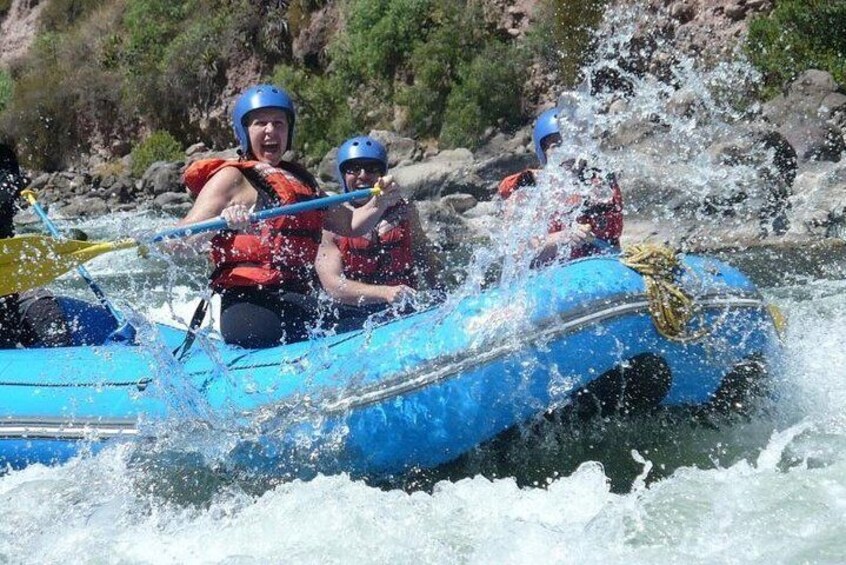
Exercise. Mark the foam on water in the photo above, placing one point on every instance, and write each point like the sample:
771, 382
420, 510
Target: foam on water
102, 509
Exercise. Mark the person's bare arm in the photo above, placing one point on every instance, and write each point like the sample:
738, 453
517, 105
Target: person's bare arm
226, 189
330, 270
354, 222
549, 246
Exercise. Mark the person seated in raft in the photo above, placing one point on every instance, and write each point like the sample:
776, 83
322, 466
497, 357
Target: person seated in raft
265, 273
32, 318
381, 269
602, 216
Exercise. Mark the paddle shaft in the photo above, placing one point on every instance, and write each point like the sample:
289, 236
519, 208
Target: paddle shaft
31, 261
291, 209
602, 245
83, 272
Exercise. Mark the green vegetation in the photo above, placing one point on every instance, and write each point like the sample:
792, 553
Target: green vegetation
4, 7
323, 119
435, 60
103, 71
102, 68
6, 85
799, 35
562, 36
160, 146
476, 102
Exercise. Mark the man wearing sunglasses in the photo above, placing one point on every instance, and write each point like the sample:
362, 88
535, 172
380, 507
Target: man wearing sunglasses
601, 216
381, 269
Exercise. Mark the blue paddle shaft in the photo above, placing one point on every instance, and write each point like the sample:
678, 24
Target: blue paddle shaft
219, 223
124, 331
602, 244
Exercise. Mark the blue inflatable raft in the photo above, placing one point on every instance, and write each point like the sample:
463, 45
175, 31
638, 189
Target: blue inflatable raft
413, 393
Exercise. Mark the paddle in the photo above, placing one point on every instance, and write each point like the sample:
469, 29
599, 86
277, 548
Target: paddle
124, 331
30, 261
603, 245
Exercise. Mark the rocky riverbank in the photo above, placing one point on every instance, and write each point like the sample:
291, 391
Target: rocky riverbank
700, 166
796, 145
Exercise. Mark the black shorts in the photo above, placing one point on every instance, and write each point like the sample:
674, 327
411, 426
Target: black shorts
264, 317
33, 319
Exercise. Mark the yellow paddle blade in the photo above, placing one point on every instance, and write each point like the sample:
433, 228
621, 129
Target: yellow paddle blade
30, 261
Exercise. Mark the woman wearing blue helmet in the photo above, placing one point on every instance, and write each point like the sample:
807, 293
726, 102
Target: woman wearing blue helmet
369, 273
265, 274
602, 217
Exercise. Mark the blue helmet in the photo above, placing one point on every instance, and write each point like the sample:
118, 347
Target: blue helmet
361, 148
545, 125
261, 96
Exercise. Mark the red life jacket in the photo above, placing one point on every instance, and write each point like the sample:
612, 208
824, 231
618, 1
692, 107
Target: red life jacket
511, 183
282, 253
384, 256
604, 217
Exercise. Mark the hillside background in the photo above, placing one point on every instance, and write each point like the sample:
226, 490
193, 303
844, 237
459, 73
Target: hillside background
84, 80
98, 77
728, 116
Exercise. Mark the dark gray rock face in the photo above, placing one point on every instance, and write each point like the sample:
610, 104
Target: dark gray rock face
810, 116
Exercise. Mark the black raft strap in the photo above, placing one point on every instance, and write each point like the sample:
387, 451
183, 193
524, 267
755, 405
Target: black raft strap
196, 321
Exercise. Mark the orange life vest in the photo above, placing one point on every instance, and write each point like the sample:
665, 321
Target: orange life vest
518, 180
384, 256
605, 217
283, 251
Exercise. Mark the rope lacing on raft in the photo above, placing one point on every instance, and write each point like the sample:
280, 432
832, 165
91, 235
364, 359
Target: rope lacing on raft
670, 306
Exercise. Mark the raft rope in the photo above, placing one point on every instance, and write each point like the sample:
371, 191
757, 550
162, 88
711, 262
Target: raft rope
671, 307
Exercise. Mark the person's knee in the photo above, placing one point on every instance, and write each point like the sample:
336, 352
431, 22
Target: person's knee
44, 320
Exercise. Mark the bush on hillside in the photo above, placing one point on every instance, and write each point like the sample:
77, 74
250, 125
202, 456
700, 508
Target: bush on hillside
324, 118
799, 35
423, 55
160, 146
4, 7
156, 63
61, 15
58, 103
378, 36
44, 131
562, 38
434, 66
165, 59
5, 88
486, 93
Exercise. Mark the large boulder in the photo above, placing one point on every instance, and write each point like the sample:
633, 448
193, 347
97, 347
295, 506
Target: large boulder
809, 115
503, 155
445, 227
401, 150
161, 177
761, 167
326, 170
84, 207
819, 202
446, 173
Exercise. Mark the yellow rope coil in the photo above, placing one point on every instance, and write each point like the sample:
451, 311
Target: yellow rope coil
671, 308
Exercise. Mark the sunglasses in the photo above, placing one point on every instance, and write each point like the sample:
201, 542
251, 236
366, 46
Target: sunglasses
550, 142
369, 168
